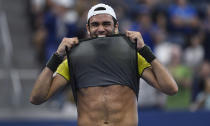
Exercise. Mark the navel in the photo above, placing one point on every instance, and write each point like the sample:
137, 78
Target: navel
106, 122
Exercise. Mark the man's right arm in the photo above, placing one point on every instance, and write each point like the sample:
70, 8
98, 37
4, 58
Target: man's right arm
45, 86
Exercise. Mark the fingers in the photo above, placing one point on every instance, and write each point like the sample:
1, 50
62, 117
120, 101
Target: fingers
70, 42
135, 37
67, 42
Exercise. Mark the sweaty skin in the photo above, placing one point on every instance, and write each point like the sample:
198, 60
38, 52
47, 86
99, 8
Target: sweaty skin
114, 105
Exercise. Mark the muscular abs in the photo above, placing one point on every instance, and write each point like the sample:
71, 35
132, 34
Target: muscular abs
107, 106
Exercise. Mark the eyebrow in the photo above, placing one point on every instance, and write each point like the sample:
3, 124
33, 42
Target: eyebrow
96, 23
106, 22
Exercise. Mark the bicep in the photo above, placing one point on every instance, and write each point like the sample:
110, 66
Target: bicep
150, 78
58, 82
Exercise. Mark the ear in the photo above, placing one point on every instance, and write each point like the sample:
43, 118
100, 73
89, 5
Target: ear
116, 28
88, 29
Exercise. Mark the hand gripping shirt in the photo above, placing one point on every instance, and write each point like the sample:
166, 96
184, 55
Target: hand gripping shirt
104, 61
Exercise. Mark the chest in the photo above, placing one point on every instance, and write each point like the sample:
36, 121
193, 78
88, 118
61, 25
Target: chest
101, 50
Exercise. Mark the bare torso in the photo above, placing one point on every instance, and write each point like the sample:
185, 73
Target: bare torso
114, 105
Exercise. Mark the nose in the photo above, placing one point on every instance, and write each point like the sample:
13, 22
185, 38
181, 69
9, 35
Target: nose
101, 29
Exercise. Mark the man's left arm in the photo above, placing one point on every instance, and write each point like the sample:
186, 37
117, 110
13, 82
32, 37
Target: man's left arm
156, 75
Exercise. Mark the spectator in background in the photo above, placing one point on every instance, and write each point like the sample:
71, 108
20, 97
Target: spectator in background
160, 38
194, 53
60, 21
183, 77
202, 101
52, 20
199, 1
183, 21
160, 21
144, 24
183, 17
206, 29
163, 48
36, 11
198, 82
206, 25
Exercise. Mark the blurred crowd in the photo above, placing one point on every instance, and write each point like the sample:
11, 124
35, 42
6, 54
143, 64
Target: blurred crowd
178, 32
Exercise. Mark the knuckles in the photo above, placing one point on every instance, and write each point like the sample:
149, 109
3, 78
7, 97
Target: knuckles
133, 33
70, 40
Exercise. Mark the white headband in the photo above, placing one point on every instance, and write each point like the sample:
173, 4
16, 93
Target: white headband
107, 10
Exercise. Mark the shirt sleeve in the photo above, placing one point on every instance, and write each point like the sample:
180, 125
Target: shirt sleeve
142, 64
63, 70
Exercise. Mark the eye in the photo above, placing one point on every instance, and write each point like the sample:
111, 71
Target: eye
106, 23
94, 24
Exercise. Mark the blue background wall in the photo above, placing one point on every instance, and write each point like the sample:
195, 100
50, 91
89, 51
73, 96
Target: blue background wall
152, 118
